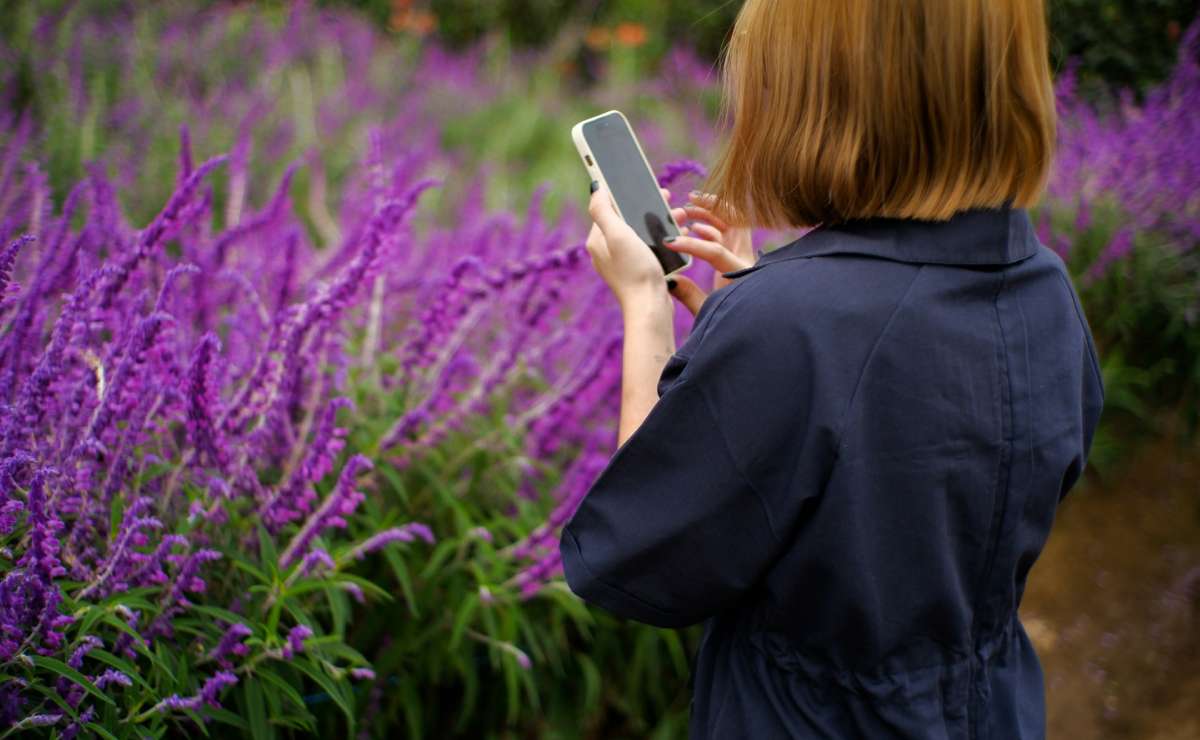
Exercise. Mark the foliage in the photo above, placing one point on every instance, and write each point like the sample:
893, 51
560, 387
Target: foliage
1118, 43
190, 406
1123, 208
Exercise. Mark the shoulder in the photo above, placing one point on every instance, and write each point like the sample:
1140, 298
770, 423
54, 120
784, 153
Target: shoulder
811, 295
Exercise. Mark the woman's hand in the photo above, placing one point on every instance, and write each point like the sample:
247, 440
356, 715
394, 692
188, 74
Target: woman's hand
726, 248
621, 258
636, 279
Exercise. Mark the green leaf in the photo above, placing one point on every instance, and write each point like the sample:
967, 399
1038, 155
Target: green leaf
329, 686
461, 619
441, 553
197, 720
395, 560
334, 647
284, 687
339, 609
248, 568
140, 645
100, 731
224, 716
218, 613
368, 587
591, 683
133, 598
115, 513
60, 668
256, 711
470, 680
412, 707
397, 482
266, 547
53, 696
511, 686
333, 582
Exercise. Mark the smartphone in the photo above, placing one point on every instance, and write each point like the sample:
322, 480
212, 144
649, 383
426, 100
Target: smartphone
612, 155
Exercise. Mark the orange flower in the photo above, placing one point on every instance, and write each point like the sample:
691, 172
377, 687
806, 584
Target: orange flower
597, 38
420, 22
630, 34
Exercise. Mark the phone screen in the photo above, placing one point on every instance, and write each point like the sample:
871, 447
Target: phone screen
633, 187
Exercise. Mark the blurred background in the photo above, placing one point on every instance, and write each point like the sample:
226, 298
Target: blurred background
483, 93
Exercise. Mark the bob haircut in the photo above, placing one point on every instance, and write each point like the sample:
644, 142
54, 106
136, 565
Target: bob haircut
854, 109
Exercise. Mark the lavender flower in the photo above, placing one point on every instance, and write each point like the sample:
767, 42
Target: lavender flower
316, 557
208, 694
202, 402
295, 641
340, 503
231, 644
405, 533
673, 171
112, 677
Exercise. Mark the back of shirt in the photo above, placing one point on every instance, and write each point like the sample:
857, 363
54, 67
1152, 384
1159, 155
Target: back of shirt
901, 406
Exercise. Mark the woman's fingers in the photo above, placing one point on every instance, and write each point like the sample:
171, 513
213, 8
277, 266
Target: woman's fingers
700, 213
688, 293
705, 231
711, 252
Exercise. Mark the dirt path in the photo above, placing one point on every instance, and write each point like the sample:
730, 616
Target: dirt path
1113, 605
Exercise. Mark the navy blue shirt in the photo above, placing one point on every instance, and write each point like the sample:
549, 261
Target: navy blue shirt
853, 463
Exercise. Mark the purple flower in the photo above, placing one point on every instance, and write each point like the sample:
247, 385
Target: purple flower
673, 171
405, 533
316, 557
295, 640
481, 533
111, 676
202, 402
231, 643
8, 258
8, 515
340, 503
208, 694
86, 645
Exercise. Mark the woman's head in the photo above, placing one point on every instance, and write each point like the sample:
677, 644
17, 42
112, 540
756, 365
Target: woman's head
899, 108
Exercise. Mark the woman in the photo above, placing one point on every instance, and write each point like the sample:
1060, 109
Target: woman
852, 462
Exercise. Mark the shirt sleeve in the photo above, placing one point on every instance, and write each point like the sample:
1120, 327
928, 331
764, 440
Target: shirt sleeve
676, 527
1091, 398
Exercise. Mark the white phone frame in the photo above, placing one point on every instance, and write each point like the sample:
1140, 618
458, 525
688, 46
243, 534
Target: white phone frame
593, 169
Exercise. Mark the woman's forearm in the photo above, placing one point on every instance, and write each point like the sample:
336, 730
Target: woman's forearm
649, 343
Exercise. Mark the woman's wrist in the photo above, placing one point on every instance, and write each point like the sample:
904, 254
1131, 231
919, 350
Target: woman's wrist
649, 342
647, 302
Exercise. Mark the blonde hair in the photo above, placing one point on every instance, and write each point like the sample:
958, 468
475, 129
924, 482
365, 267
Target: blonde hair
843, 109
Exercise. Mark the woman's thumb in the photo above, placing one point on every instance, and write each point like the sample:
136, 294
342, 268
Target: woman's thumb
601, 210
687, 292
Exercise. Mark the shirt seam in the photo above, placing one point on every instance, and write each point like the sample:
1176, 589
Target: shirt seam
711, 317
762, 504
1091, 349
712, 415
843, 421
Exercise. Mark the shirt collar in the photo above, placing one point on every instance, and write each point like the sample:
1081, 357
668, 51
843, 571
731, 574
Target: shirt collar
974, 237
